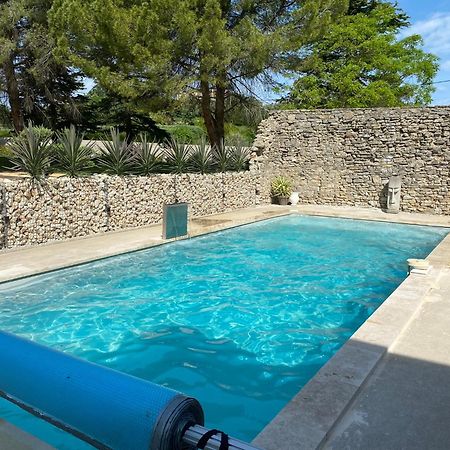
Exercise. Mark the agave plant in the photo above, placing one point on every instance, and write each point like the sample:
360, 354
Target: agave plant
177, 156
116, 154
72, 156
239, 157
32, 152
201, 158
281, 187
148, 155
221, 157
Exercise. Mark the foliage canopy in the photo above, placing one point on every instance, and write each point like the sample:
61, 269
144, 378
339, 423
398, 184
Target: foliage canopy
160, 48
360, 62
36, 85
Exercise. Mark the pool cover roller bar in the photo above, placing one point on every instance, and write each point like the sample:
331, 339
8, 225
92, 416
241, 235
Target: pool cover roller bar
104, 407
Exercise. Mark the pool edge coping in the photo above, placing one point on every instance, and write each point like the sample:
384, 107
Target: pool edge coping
313, 413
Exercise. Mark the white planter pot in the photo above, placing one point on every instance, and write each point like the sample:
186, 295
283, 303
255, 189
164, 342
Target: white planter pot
294, 198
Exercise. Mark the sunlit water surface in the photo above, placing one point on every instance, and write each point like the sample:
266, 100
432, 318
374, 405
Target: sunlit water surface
240, 319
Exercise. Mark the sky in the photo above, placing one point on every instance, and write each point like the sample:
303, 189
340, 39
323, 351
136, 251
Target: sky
431, 19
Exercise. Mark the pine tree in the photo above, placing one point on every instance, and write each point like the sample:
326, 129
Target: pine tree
361, 62
165, 48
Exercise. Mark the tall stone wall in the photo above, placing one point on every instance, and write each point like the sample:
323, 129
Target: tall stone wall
72, 207
345, 157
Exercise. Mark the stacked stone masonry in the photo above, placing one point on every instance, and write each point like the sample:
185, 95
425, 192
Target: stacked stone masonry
335, 157
72, 207
345, 157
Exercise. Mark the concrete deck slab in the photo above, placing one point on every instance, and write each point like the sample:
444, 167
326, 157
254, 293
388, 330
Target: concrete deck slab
350, 212
406, 402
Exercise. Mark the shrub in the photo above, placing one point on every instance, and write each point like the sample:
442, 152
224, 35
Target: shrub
239, 157
41, 132
31, 152
5, 151
281, 187
116, 154
4, 133
71, 155
202, 158
241, 133
221, 158
177, 156
148, 156
186, 134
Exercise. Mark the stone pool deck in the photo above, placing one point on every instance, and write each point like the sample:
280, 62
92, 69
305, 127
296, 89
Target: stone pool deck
387, 388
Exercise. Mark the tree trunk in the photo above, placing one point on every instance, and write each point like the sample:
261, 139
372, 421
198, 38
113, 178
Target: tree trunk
220, 113
208, 117
12, 89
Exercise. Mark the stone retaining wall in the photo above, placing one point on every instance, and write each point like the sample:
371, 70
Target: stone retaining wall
345, 157
73, 207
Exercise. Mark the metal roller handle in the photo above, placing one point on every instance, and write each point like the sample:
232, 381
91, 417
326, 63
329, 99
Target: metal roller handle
193, 434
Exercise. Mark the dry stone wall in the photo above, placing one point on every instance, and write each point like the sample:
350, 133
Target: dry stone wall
345, 157
72, 207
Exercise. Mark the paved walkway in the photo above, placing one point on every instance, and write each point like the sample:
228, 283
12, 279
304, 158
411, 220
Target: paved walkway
405, 404
375, 214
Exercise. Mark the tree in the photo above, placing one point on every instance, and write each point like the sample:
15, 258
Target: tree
160, 49
101, 110
360, 62
37, 87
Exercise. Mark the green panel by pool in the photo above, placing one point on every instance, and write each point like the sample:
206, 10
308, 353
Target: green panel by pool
175, 221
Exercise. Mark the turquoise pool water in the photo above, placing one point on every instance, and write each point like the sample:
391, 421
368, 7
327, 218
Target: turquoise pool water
240, 319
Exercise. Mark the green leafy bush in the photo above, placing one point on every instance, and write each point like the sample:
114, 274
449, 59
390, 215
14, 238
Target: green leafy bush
5, 151
4, 132
240, 133
6, 158
41, 132
186, 134
72, 157
32, 152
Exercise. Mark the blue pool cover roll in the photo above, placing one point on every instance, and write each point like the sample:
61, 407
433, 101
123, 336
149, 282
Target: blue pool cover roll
107, 408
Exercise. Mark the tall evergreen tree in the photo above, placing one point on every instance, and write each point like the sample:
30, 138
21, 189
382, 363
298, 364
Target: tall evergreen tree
101, 110
164, 47
361, 62
36, 85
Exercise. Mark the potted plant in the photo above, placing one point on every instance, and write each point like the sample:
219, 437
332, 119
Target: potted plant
281, 189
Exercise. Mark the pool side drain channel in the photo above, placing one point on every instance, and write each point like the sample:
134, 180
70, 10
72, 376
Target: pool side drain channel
103, 407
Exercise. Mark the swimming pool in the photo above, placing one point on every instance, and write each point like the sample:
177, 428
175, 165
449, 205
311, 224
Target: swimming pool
239, 319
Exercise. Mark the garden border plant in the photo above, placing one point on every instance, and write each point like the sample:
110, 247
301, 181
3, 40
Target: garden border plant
38, 152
